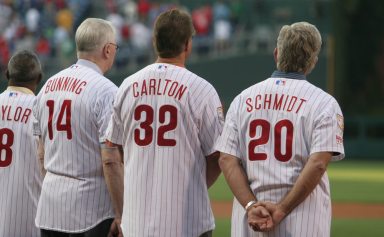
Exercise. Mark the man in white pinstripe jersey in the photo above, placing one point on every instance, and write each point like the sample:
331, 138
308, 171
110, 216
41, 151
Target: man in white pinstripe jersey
278, 138
72, 112
20, 178
167, 118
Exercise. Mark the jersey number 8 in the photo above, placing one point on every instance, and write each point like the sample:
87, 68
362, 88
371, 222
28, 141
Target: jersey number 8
5, 147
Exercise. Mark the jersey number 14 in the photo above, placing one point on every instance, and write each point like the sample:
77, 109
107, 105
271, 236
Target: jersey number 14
64, 115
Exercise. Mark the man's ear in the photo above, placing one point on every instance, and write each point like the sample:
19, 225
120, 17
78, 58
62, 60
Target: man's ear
7, 74
106, 51
40, 77
275, 53
189, 41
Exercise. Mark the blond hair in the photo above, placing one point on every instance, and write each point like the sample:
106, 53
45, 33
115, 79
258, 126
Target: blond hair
298, 46
93, 34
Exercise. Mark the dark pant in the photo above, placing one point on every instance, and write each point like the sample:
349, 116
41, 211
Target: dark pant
101, 230
207, 234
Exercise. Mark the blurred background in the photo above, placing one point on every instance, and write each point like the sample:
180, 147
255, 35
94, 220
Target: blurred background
233, 49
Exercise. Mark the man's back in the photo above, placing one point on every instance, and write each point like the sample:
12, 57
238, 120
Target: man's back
73, 110
169, 120
20, 178
282, 121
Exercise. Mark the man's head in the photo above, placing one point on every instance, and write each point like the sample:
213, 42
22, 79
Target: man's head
298, 46
96, 41
172, 33
24, 69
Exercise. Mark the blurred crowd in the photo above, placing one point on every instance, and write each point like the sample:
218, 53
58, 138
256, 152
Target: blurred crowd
48, 26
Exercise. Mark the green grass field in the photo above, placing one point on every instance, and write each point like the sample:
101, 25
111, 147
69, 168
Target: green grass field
351, 181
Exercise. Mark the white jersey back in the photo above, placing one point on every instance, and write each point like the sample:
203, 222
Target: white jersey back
20, 178
167, 120
273, 127
72, 111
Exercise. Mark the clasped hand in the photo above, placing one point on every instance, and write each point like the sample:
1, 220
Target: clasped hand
263, 216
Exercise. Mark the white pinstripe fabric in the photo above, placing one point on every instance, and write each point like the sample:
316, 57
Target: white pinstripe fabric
315, 128
74, 195
20, 182
165, 192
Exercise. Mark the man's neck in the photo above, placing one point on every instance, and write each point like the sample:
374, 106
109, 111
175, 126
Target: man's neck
177, 61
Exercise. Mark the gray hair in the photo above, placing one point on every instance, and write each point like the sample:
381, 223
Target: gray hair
93, 34
24, 67
298, 46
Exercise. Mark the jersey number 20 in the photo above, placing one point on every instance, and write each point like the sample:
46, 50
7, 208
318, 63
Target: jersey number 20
5, 147
146, 125
265, 127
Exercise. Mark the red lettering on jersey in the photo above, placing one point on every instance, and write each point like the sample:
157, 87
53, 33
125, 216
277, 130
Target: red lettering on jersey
3, 110
144, 88
257, 103
180, 92
301, 103
285, 103
166, 86
74, 85
134, 87
278, 102
59, 83
292, 103
152, 86
81, 87
17, 114
47, 86
26, 114
267, 101
249, 104
67, 82
172, 89
158, 87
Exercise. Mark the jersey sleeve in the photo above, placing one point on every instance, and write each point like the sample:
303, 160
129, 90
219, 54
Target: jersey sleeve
212, 122
35, 111
328, 131
103, 109
229, 142
115, 128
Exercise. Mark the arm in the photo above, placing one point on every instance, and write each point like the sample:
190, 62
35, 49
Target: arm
213, 168
40, 156
236, 178
259, 218
112, 159
305, 184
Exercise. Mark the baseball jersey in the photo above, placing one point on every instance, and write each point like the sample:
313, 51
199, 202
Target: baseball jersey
167, 120
273, 127
72, 112
20, 178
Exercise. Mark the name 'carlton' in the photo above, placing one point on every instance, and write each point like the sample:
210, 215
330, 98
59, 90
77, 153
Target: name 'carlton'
164, 87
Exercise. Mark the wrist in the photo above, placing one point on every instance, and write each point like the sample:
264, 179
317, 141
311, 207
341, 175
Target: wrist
249, 205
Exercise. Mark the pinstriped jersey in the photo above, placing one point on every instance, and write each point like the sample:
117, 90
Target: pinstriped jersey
72, 112
274, 127
20, 178
167, 120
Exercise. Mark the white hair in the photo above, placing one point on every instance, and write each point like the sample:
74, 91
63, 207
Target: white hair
93, 34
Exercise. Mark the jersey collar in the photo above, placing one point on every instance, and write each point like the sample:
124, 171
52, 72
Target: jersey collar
20, 89
87, 63
288, 75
